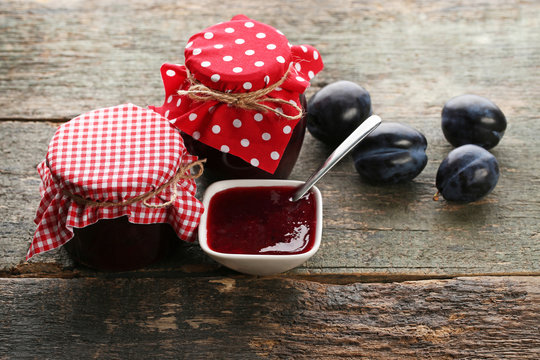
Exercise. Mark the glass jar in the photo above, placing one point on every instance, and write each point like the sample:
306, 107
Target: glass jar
238, 99
118, 190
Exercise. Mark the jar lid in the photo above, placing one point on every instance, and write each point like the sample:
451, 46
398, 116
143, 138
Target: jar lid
241, 57
112, 162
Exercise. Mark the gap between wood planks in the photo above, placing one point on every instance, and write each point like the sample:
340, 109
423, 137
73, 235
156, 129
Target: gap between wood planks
38, 120
48, 270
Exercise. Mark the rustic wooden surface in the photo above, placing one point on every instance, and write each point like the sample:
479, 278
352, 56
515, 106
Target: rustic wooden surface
246, 318
61, 58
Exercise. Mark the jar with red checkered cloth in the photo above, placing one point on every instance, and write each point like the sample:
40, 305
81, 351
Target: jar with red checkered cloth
117, 189
239, 98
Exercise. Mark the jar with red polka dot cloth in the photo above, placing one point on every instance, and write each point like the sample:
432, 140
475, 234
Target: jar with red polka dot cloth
117, 190
238, 100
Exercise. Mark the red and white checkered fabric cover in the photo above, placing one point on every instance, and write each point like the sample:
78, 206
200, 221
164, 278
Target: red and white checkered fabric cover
239, 56
113, 154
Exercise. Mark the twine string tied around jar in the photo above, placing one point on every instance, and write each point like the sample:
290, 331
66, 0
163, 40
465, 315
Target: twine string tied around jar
253, 100
182, 173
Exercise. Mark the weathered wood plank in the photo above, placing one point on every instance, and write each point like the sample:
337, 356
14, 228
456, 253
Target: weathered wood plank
242, 318
22, 147
73, 56
367, 230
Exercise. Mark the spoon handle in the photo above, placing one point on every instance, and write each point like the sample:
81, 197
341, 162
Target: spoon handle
347, 145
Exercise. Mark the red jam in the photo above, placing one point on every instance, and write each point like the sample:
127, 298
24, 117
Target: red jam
222, 166
118, 245
261, 220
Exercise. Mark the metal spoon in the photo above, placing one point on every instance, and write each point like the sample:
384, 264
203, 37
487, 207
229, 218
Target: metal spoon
347, 145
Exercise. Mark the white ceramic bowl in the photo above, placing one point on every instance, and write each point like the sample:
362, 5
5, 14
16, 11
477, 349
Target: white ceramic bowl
258, 264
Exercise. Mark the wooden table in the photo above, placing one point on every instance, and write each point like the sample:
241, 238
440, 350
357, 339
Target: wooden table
398, 275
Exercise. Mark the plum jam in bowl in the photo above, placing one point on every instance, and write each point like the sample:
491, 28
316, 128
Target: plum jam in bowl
254, 227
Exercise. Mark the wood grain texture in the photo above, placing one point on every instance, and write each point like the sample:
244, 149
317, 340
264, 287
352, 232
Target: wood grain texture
74, 56
242, 318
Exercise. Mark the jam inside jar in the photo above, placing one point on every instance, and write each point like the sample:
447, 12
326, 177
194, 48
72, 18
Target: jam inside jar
224, 166
118, 245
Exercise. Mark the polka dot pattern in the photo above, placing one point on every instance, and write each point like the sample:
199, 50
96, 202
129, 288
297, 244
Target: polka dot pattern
241, 55
225, 48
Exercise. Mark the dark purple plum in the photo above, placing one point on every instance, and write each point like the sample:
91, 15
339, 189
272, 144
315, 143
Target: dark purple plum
467, 174
392, 153
472, 119
336, 110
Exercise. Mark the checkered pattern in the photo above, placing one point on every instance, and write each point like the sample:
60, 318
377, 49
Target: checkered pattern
113, 154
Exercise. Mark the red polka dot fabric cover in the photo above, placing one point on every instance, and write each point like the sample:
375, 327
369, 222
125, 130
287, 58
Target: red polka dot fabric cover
239, 56
113, 154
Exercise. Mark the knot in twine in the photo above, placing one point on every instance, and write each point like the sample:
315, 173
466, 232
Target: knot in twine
182, 173
252, 100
